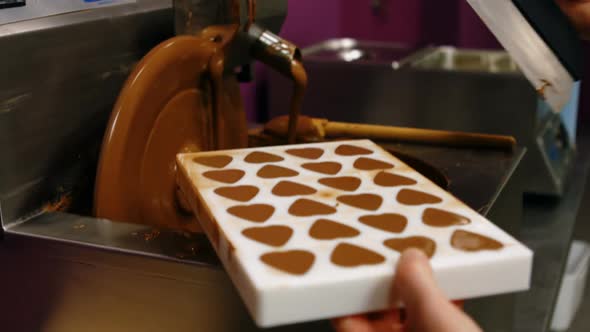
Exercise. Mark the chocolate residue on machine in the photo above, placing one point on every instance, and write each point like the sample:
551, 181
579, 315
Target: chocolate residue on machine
201, 111
62, 203
541, 90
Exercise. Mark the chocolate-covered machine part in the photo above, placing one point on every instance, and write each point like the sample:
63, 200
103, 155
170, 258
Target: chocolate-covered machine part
184, 96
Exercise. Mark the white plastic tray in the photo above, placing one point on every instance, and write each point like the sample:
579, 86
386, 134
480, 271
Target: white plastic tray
328, 289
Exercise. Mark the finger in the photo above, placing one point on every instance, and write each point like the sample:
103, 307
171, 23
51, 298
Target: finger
352, 324
389, 321
414, 280
427, 307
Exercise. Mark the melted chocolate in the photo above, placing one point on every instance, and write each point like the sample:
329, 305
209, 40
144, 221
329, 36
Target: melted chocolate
328, 167
219, 161
324, 229
258, 157
275, 236
441, 218
414, 197
468, 241
385, 179
273, 172
305, 208
306, 153
238, 193
296, 262
299, 86
148, 128
346, 183
349, 255
368, 164
369, 202
288, 188
254, 212
251, 14
226, 176
389, 222
351, 150
307, 129
428, 246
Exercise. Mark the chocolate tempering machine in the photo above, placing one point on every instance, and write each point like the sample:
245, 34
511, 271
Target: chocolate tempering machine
71, 263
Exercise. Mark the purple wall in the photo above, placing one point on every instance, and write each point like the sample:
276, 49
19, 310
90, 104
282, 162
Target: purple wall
311, 21
390, 23
416, 22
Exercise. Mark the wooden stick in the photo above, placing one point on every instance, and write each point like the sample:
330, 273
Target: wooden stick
416, 135
319, 129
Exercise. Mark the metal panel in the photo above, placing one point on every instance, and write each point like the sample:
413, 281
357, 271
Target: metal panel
59, 78
122, 279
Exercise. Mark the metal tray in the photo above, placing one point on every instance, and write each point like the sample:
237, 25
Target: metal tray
363, 52
450, 58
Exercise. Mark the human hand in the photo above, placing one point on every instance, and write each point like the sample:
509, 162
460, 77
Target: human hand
426, 307
578, 12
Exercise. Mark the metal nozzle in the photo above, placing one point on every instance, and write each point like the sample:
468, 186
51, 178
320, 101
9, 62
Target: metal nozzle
273, 51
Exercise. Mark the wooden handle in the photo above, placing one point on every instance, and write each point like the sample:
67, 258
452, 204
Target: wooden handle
416, 135
318, 129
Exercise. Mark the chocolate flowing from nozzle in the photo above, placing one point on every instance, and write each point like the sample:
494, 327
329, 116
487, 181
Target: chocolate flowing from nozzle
285, 58
299, 86
251, 14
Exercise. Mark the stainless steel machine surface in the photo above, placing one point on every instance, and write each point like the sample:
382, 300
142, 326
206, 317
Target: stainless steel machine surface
367, 52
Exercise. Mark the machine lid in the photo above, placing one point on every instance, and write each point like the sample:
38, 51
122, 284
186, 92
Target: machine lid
541, 40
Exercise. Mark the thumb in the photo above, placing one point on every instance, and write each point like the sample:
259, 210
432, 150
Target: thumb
427, 308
